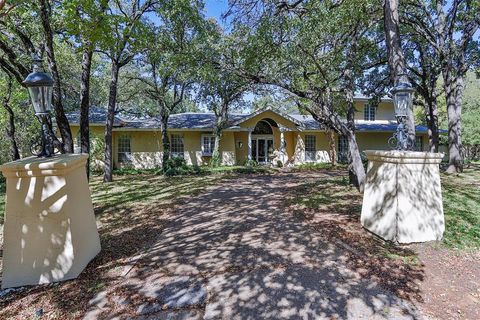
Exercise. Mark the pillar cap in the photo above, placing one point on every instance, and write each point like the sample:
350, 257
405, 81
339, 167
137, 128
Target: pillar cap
397, 156
34, 166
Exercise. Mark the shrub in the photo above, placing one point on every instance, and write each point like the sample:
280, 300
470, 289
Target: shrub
178, 166
251, 163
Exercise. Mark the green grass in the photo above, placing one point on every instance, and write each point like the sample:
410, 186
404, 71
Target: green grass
461, 204
198, 170
318, 166
145, 189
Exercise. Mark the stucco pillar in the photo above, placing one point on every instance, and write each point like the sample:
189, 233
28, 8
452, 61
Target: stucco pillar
50, 232
283, 150
250, 143
402, 201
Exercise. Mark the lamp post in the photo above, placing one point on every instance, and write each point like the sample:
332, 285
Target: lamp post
39, 85
403, 102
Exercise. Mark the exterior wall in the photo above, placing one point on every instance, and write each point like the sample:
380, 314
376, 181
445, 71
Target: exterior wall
385, 111
379, 140
241, 154
321, 145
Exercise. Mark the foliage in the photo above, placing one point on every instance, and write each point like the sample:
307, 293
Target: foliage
97, 147
251, 163
178, 166
27, 126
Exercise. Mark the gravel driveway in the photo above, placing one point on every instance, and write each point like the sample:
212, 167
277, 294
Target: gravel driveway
237, 252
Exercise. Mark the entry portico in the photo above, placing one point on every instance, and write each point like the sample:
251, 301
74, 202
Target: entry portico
270, 135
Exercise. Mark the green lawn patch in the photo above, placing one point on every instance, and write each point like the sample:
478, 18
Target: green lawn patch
461, 204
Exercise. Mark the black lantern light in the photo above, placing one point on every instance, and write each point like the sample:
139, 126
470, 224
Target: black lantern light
403, 103
40, 86
402, 98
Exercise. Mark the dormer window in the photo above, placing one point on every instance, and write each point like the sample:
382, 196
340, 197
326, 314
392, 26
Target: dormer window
369, 112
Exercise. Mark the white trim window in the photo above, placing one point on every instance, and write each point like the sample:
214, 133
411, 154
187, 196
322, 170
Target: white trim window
176, 146
342, 154
418, 143
124, 149
369, 111
208, 143
310, 148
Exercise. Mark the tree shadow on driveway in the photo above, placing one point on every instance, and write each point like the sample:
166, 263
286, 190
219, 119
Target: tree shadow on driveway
257, 259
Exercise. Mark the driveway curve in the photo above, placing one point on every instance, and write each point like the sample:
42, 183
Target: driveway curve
236, 251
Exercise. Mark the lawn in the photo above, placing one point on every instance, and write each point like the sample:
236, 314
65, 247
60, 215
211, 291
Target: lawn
133, 210
461, 202
131, 213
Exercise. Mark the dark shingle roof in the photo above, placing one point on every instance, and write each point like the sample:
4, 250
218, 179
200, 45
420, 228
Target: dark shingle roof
96, 116
206, 121
384, 127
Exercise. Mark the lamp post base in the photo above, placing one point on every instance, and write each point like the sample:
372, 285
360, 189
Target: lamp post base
50, 233
402, 201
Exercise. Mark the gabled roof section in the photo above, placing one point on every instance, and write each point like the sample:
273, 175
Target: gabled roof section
258, 112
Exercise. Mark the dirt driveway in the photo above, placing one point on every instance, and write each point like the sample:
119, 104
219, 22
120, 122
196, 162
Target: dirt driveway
237, 251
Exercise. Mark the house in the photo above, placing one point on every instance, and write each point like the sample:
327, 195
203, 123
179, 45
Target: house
259, 136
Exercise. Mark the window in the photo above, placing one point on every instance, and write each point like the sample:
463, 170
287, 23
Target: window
369, 112
208, 142
262, 127
176, 146
124, 151
342, 153
418, 143
310, 148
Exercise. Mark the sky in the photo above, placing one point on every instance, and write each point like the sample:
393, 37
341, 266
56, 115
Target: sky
215, 8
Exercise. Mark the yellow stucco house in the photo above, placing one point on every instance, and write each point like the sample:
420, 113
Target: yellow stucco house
256, 136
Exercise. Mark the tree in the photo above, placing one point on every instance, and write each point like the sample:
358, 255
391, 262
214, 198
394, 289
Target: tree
221, 86
424, 73
396, 59
10, 129
303, 49
448, 28
61, 118
84, 19
20, 39
126, 26
168, 67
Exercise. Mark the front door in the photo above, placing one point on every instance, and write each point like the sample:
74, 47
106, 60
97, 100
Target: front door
262, 149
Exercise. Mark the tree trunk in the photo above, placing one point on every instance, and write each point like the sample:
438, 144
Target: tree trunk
11, 125
112, 101
396, 60
62, 121
216, 156
165, 139
432, 124
85, 103
326, 117
356, 169
453, 95
221, 121
333, 148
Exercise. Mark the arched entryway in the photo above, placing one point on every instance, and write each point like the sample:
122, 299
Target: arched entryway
262, 141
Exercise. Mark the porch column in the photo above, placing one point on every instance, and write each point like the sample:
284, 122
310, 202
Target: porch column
283, 144
250, 143
282, 139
